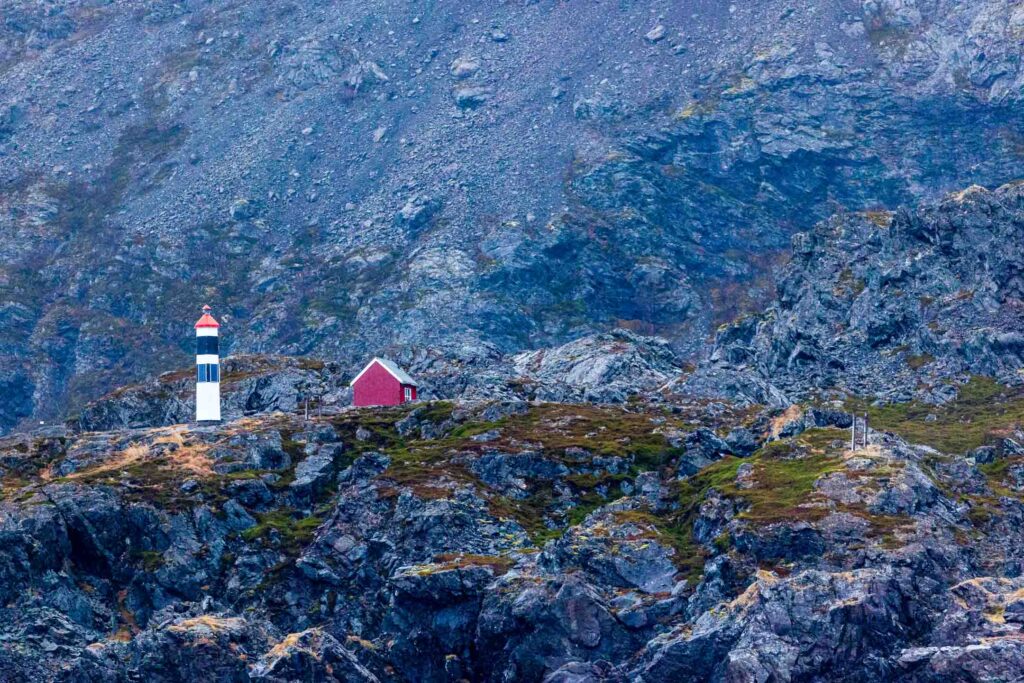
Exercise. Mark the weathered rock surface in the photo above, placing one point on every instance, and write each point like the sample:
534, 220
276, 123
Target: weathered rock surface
576, 542
606, 368
611, 367
895, 305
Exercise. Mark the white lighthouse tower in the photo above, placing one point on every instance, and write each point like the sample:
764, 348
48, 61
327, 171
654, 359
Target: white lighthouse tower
207, 368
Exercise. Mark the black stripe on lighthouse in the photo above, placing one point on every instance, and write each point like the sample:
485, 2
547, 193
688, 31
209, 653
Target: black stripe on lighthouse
207, 346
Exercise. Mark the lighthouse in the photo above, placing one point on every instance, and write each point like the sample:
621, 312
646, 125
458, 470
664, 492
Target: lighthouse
207, 368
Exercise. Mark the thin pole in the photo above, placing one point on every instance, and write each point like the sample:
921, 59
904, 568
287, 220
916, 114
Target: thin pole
853, 433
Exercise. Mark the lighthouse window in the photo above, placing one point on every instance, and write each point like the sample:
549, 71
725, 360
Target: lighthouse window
208, 372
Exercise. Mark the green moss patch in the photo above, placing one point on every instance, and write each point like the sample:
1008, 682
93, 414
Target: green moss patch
847, 285
435, 411
378, 423
783, 476
151, 560
601, 430
779, 488
919, 361
983, 411
999, 478
284, 529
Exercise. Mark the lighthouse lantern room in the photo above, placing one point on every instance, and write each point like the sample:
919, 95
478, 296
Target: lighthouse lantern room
207, 368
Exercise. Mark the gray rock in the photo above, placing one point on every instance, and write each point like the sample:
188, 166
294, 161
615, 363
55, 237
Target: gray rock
586, 672
417, 213
315, 471
702, 447
742, 441
857, 311
244, 209
656, 33
311, 653
472, 96
604, 368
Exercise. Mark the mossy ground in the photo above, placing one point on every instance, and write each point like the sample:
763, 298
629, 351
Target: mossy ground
568, 434
285, 529
780, 488
173, 469
982, 411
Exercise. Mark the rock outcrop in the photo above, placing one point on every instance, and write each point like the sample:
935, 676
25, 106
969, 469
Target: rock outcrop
606, 368
515, 541
894, 305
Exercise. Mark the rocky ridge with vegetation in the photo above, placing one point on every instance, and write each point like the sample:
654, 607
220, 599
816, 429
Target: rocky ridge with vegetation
250, 384
510, 540
612, 367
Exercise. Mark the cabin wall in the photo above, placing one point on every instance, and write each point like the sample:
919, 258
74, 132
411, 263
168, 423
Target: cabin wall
377, 387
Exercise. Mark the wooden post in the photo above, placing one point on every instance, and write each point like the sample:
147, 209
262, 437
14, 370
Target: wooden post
853, 432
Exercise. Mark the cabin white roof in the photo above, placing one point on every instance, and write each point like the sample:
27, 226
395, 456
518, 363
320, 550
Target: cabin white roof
398, 373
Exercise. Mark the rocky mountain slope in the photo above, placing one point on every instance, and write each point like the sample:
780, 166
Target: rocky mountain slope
345, 178
656, 536
514, 541
543, 210
892, 305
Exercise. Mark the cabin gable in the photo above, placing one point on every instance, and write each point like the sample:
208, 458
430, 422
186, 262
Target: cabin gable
377, 385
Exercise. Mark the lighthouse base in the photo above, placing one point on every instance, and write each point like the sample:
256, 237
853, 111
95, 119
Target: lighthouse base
208, 402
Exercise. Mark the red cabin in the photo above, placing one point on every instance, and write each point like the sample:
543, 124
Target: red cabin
382, 383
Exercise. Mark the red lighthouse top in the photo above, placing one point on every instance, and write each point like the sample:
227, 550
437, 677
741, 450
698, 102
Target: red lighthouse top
207, 320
